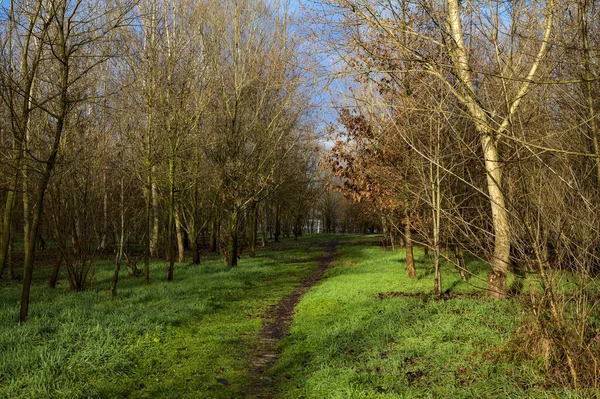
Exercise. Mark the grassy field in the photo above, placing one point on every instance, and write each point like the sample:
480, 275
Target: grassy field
353, 335
185, 339
351, 338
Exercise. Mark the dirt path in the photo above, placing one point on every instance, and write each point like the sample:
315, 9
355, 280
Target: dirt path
279, 317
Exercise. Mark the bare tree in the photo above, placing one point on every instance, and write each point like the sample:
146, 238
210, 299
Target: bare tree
259, 106
428, 39
73, 39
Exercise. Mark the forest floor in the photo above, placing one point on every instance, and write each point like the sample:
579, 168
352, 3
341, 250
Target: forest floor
295, 322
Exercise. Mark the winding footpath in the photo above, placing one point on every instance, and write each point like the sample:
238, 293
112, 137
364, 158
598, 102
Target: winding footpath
279, 317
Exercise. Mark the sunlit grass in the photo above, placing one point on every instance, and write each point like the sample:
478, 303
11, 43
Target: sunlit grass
348, 342
189, 338
192, 338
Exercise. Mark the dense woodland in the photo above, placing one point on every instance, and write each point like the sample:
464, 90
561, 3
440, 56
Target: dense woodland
142, 127
155, 129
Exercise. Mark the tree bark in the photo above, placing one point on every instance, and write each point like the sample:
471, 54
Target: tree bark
195, 230
214, 233
589, 79
11, 200
171, 223
436, 200
231, 257
38, 207
387, 240
119, 256
501, 256
460, 262
32, 231
154, 220
113, 285
500, 261
252, 227
55, 270
104, 215
9, 260
277, 223
147, 252
149, 189
25, 197
180, 237
27, 75
264, 226
297, 230
195, 252
410, 260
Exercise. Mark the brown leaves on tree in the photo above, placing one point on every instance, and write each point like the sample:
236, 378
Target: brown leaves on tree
366, 160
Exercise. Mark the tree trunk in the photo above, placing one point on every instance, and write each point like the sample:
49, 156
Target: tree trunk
9, 261
264, 226
171, 224
154, 220
252, 227
231, 257
436, 200
119, 256
386, 232
150, 211
277, 223
21, 134
55, 270
195, 252
76, 228
589, 79
437, 279
11, 200
29, 245
501, 256
104, 215
32, 231
118, 260
270, 221
195, 230
297, 230
436, 237
113, 285
460, 262
410, 260
147, 244
180, 237
214, 233
462, 70
26, 210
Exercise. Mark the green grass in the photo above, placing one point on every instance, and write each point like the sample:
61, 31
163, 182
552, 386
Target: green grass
163, 340
346, 342
192, 338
